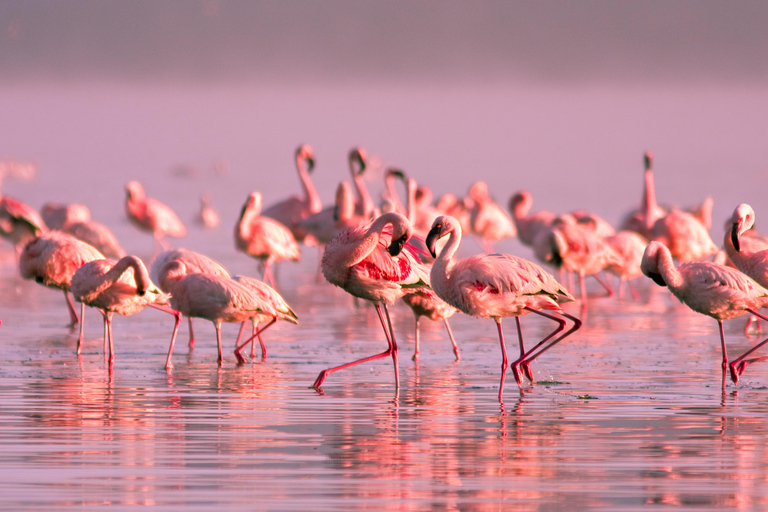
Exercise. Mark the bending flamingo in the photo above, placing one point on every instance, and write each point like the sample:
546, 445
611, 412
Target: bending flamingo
710, 289
361, 261
497, 286
264, 238
290, 212
52, 259
75, 219
149, 214
121, 287
19, 222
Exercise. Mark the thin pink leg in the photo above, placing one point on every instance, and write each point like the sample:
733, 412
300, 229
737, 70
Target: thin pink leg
535, 352
504, 360
725, 352
416, 338
605, 284
391, 349
71, 308
177, 315
217, 324
453, 341
191, 335
516, 365
111, 358
239, 348
738, 365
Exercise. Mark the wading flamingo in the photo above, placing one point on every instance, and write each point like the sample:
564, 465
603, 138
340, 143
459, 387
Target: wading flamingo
685, 236
149, 214
264, 238
75, 219
629, 247
487, 219
194, 262
290, 212
360, 261
121, 287
528, 224
710, 289
215, 298
273, 308
52, 259
425, 302
497, 286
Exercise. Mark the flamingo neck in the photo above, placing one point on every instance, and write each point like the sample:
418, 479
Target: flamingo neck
440, 274
310, 192
366, 201
672, 276
140, 274
649, 198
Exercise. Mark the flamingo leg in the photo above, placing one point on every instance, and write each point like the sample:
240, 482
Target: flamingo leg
725, 353
240, 333
605, 284
633, 290
81, 337
416, 338
217, 324
111, 358
71, 308
106, 333
738, 365
533, 354
583, 288
239, 348
516, 364
177, 317
504, 360
191, 335
391, 351
453, 340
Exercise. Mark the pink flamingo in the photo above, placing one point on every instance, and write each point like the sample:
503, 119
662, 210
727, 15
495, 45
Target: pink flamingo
487, 219
194, 262
121, 287
629, 247
360, 261
528, 224
273, 308
685, 236
52, 259
290, 212
710, 289
75, 219
19, 222
323, 226
215, 298
358, 163
264, 238
58, 215
425, 302
149, 214
497, 286
643, 218
208, 217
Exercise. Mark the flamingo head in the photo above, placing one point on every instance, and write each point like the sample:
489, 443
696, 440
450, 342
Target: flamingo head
743, 219
397, 244
442, 226
307, 154
359, 157
650, 263
134, 191
648, 160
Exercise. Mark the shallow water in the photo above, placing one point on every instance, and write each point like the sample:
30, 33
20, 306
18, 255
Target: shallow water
628, 412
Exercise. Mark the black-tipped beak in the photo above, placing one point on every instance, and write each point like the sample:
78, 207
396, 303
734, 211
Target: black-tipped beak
657, 279
310, 163
396, 247
735, 235
431, 240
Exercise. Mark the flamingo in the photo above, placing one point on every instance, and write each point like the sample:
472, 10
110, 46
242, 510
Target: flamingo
643, 218
684, 235
710, 289
194, 262
208, 217
122, 287
425, 302
360, 261
264, 238
19, 222
52, 259
75, 219
629, 247
487, 219
528, 224
497, 286
273, 308
58, 215
215, 298
358, 163
149, 214
290, 212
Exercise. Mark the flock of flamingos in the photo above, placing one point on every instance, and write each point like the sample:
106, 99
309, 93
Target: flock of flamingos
396, 250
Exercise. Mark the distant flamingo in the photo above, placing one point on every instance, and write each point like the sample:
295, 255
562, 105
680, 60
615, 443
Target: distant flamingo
323, 226
149, 214
642, 219
19, 222
215, 298
58, 215
497, 286
75, 219
629, 246
194, 262
290, 212
528, 224
208, 217
710, 289
121, 287
425, 303
264, 238
686, 237
593, 222
52, 259
487, 219
273, 308
362, 262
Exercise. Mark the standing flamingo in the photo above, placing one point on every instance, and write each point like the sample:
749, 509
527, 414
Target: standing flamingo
263, 238
360, 262
122, 287
273, 308
710, 289
19, 222
290, 212
641, 220
629, 247
194, 262
528, 224
487, 219
75, 219
215, 298
684, 235
149, 214
425, 302
497, 286
52, 259
207, 217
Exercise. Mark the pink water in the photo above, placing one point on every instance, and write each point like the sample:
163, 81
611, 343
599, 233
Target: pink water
626, 413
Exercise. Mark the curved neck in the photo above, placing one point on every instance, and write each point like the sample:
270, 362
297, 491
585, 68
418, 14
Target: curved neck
668, 271
370, 240
251, 210
140, 274
410, 203
444, 260
393, 195
310, 192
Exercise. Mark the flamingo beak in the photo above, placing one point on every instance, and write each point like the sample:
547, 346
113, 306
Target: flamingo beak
310, 163
735, 235
431, 240
657, 279
396, 247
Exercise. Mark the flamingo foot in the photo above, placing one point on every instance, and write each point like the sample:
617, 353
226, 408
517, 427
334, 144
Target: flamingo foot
415, 357
320, 378
527, 370
516, 373
736, 371
239, 357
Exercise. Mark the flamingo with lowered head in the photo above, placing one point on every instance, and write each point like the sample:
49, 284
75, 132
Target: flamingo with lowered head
121, 287
370, 265
497, 286
714, 290
149, 214
19, 222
